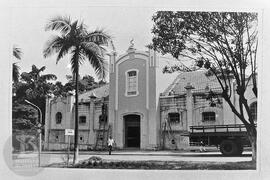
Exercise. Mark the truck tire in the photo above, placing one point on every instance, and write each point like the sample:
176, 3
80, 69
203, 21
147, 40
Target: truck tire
229, 148
240, 149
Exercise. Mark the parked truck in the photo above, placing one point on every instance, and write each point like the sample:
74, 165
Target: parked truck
230, 139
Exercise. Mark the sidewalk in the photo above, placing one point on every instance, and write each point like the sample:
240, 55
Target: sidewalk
139, 152
49, 158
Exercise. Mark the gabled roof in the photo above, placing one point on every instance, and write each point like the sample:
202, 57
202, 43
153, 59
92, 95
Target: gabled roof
100, 92
197, 79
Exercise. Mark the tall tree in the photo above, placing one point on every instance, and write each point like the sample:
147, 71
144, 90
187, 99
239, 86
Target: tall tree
34, 87
224, 43
37, 84
74, 38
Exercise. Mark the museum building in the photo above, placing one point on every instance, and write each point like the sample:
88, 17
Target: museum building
133, 110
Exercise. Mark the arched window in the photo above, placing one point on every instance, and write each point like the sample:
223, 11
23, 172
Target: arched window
132, 83
208, 116
253, 109
81, 138
58, 117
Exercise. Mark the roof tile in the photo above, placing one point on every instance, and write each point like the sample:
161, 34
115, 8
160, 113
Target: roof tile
100, 92
197, 79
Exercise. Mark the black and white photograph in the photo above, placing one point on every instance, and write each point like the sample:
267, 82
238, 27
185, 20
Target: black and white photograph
135, 91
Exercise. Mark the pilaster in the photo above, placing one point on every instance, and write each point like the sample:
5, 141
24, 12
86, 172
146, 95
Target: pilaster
189, 105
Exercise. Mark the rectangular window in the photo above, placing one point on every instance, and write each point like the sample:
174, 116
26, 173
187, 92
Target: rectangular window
132, 84
174, 117
82, 119
208, 116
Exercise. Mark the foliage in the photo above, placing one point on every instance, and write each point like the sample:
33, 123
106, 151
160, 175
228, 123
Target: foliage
164, 165
75, 39
85, 83
35, 87
23, 116
17, 53
224, 43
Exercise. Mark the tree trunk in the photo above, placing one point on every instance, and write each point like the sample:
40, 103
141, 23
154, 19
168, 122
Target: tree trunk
76, 149
251, 129
252, 135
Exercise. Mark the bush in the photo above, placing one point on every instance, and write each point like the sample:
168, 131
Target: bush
97, 162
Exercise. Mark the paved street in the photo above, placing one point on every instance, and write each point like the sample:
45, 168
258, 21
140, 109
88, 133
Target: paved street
47, 158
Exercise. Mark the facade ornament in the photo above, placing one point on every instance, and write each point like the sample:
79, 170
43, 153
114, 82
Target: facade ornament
131, 47
131, 43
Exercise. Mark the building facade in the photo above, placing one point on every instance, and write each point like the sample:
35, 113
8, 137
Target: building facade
137, 114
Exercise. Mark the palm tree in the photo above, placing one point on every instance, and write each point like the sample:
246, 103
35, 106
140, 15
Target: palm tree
17, 53
73, 38
34, 86
35, 83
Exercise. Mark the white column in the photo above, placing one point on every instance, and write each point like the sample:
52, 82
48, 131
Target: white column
91, 122
189, 105
47, 123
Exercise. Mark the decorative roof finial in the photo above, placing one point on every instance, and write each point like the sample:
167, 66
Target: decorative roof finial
131, 43
131, 47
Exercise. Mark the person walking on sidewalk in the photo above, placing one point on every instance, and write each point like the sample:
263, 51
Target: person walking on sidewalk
202, 147
110, 144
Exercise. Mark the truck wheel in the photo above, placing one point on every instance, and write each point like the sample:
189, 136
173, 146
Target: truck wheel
228, 147
240, 149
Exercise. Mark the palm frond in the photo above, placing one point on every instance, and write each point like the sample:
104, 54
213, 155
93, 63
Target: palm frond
34, 70
42, 69
96, 60
92, 46
102, 70
59, 23
99, 36
53, 45
83, 28
17, 53
74, 61
76, 40
102, 50
66, 46
48, 77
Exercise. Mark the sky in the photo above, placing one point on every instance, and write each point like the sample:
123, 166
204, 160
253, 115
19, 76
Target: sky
122, 23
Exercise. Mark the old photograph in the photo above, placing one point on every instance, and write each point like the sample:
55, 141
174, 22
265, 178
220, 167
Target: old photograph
134, 88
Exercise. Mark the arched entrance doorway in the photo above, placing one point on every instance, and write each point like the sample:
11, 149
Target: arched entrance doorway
132, 131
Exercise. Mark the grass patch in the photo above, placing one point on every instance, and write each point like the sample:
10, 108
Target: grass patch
98, 163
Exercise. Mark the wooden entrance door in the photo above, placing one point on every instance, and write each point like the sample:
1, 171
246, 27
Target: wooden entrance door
132, 131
